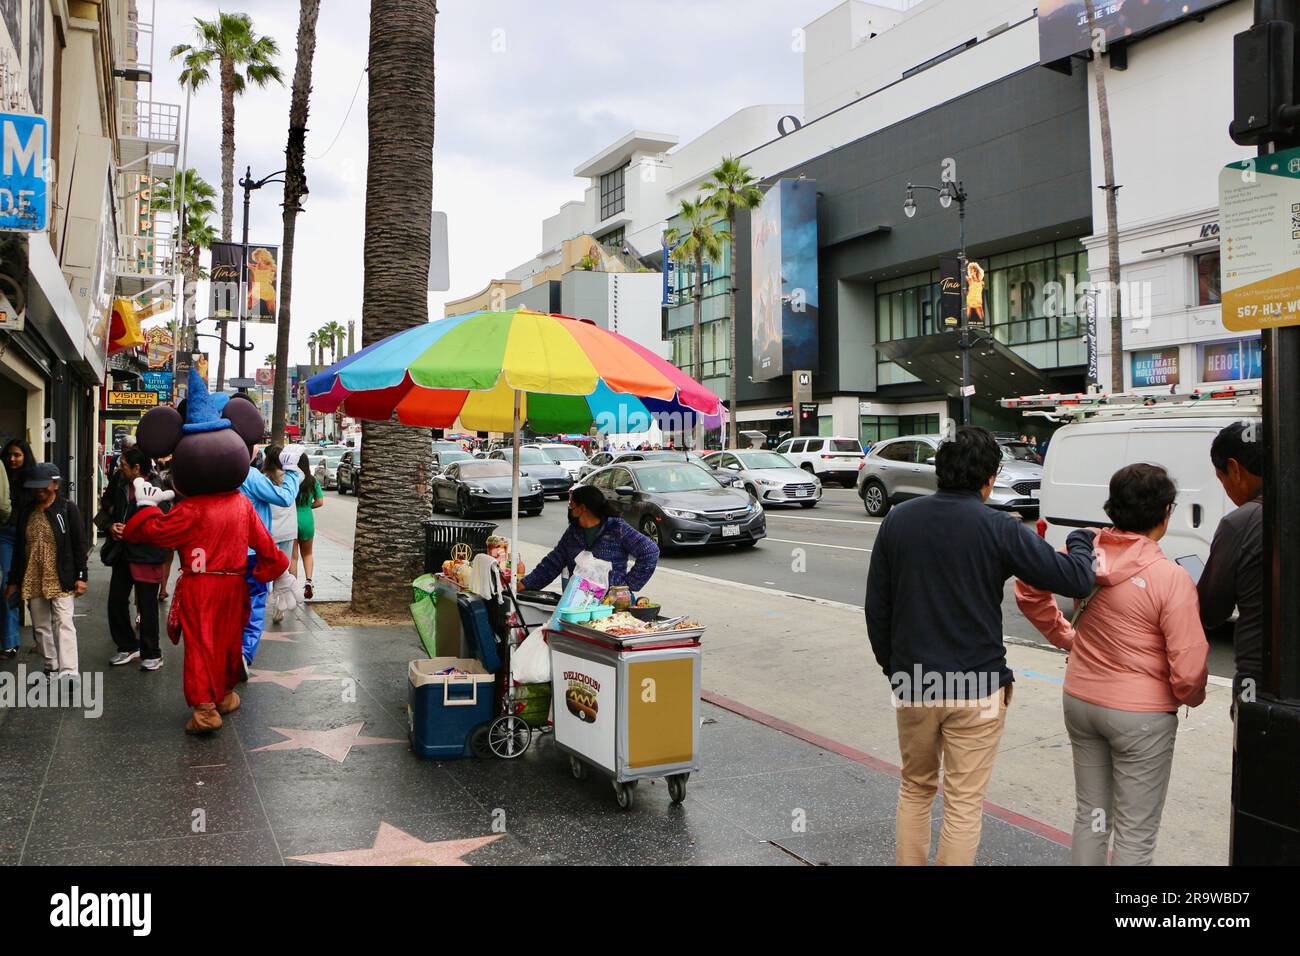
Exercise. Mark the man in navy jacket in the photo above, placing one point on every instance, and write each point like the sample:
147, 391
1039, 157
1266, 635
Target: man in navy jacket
939, 567
593, 527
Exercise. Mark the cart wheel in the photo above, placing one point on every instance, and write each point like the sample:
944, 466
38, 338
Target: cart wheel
509, 736
626, 794
478, 741
677, 786
578, 768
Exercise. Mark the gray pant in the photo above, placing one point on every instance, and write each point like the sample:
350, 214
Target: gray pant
1122, 761
55, 633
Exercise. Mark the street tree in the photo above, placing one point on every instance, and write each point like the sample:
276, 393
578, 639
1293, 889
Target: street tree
731, 187
389, 543
295, 186
240, 56
696, 241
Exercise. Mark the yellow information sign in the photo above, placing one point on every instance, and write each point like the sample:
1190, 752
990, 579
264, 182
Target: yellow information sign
123, 399
1259, 242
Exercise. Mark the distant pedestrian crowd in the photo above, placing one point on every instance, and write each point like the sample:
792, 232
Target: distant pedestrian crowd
1136, 638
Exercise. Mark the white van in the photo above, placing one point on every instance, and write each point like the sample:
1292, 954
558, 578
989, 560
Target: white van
1082, 456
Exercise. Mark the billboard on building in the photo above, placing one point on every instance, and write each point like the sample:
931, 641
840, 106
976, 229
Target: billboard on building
1231, 361
1063, 28
783, 292
1155, 367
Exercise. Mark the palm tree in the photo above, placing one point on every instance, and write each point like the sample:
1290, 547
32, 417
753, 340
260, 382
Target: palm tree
295, 184
696, 240
731, 187
1112, 218
241, 57
328, 336
312, 341
195, 198
271, 361
389, 539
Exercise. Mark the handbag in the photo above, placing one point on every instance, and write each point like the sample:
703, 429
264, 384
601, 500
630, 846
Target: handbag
111, 551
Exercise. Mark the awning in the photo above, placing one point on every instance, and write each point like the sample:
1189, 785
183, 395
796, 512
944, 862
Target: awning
996, 371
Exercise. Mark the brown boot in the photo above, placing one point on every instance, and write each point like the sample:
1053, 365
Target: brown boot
205, 720
229, 704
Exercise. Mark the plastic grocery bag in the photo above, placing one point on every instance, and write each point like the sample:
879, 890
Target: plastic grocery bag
587, 570
531, 661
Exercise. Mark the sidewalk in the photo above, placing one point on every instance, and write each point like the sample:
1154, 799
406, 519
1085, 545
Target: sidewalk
314, 768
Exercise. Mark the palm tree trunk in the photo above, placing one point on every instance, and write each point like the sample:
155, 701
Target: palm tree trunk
227, 187
294, 180
733, 435
1112, 219
389, 543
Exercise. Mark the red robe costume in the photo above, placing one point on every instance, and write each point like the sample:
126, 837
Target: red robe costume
213, 534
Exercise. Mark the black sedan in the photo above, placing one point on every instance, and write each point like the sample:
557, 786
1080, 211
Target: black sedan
347, 477
679, 504
554, 479
466, 487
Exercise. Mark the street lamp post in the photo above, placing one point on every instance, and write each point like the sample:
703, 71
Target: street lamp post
248, 184
949, 192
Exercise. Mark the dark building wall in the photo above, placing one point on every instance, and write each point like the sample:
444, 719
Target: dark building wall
1020, 147
543, 297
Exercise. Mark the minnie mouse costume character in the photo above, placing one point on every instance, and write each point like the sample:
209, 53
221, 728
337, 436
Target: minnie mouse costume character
212, 526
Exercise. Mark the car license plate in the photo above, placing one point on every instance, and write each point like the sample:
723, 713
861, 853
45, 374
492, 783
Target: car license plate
731, 531
802, 493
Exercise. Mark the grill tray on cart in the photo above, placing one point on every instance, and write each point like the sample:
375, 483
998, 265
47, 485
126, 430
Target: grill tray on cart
676, 636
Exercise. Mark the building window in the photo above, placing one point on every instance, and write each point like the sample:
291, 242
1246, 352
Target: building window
613, 241
874, 428
611, 193
1207, 278
715, 349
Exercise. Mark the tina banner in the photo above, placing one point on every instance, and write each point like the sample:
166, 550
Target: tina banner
261, 276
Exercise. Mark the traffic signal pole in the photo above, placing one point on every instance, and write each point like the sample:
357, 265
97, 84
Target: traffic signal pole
1266, 761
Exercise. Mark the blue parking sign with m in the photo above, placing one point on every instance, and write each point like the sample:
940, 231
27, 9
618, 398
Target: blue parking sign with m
24, 146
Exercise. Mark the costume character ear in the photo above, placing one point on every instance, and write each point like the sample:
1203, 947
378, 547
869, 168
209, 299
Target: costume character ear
159, 431
245, 418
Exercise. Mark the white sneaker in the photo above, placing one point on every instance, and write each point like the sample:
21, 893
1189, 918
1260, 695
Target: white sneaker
124, 657
151, 663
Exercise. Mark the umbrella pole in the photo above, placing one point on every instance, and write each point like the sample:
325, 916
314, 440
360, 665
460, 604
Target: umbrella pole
514, 503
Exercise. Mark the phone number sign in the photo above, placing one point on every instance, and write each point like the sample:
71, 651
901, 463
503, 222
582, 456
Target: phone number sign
1259, 242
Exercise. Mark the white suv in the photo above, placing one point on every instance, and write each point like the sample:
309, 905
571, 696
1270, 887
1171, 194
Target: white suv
830, 459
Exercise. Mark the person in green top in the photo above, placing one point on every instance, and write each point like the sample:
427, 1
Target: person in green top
309, 498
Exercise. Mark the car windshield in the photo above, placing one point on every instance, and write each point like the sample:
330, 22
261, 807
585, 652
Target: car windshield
527, 456
847, 444
763, 459
1018, 453
665, 479
490, 468
445, 458
558, 453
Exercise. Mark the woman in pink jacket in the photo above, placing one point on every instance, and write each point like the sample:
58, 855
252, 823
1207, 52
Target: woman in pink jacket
1137, 652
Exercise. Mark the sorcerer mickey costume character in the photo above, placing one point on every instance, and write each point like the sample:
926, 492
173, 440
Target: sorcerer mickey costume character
213, 527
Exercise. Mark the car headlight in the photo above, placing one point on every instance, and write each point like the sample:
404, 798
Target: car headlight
769, 482
675, 513
477, 489
536, 486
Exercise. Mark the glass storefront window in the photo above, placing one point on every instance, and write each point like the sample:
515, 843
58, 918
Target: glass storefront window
1207, 279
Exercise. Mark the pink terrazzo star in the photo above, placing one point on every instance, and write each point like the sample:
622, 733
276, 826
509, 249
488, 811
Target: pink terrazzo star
290, 679
334, 744
394, 847
280, 636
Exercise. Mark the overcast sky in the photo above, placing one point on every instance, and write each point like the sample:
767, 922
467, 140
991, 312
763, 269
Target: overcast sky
525, 92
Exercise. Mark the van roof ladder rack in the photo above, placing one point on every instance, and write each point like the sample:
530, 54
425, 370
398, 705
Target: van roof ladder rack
1077, 406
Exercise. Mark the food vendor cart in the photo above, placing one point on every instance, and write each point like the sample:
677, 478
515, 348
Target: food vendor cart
628, 705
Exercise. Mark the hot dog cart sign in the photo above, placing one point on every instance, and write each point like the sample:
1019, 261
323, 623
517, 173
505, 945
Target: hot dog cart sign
1259, 242
586, 701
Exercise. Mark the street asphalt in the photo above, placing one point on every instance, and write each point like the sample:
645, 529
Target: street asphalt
821, 552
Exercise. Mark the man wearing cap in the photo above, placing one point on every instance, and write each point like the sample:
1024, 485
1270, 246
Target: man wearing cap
49, 568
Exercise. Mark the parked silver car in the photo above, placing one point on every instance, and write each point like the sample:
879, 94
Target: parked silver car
902, 468
769, 477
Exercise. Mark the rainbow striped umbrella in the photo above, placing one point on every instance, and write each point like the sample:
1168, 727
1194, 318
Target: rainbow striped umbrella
567, 373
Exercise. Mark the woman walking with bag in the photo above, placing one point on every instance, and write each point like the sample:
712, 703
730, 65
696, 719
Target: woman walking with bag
1137, 652
141, 568
284, 531
309, 498
18, 463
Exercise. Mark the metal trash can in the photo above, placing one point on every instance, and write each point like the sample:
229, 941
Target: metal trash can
442, 534
628, 706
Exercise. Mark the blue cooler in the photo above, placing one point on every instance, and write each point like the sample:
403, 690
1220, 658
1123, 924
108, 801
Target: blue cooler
444, 709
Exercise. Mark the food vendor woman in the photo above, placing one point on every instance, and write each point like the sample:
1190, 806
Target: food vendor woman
593, 527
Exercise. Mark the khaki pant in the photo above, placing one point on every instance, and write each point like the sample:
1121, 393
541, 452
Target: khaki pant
55, 633
962, 736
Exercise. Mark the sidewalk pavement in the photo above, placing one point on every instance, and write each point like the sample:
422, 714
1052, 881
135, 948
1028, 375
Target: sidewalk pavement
315, 768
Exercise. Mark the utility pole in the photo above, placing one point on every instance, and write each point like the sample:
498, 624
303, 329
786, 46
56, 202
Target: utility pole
1266, 764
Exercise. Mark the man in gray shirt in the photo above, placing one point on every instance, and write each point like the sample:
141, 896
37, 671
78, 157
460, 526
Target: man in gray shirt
1233, 575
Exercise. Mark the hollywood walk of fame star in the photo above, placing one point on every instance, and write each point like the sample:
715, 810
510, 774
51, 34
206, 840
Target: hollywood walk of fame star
335, 743
394, 847
280, 636
290, 679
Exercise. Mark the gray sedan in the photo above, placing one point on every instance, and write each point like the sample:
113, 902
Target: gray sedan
771, 478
